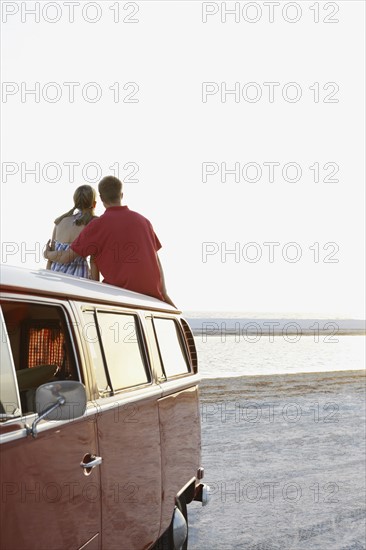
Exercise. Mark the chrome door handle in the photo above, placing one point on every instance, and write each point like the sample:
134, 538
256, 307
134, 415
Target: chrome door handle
96, 461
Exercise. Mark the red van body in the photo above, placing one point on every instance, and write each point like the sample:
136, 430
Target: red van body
119, 475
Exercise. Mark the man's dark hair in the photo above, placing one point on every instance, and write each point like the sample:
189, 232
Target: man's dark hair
110, 189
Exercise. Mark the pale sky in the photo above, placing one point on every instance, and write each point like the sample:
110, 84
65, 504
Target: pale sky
292, 128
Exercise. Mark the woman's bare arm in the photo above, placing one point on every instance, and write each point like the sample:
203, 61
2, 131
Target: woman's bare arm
60, 256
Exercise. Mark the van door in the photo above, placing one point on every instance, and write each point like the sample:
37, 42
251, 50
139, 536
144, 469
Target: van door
128, 428
48, 500
179, 418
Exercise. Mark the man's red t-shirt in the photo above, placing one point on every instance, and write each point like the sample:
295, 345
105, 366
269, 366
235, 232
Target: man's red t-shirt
124, 247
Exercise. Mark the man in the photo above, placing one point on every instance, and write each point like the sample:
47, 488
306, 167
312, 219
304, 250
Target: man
123, 245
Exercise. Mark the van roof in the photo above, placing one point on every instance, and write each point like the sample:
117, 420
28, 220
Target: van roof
44, 282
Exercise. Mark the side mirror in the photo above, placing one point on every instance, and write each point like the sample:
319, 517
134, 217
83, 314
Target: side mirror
62, 400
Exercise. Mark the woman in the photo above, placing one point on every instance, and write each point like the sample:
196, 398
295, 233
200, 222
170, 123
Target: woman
68, 227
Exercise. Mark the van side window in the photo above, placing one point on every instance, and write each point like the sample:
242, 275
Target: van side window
123, 349
40, 347
191, 345
171, 347
91, 336
9, 396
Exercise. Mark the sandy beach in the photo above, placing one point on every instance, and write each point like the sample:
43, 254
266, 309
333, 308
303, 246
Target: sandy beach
285, 459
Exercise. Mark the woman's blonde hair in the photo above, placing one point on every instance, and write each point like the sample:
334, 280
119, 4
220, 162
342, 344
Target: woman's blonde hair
84, 198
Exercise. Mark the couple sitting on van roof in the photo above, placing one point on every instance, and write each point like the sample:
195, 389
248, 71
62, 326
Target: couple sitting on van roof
121, 243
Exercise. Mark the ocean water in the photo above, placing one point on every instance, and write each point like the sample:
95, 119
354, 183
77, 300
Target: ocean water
217, 358
309, 345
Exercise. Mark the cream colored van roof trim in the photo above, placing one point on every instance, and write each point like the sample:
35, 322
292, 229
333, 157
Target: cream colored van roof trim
49, 283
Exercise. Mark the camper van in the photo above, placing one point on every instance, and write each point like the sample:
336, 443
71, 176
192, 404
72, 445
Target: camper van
99, 417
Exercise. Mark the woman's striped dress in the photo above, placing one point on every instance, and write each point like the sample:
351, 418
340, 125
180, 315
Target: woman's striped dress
79, 267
